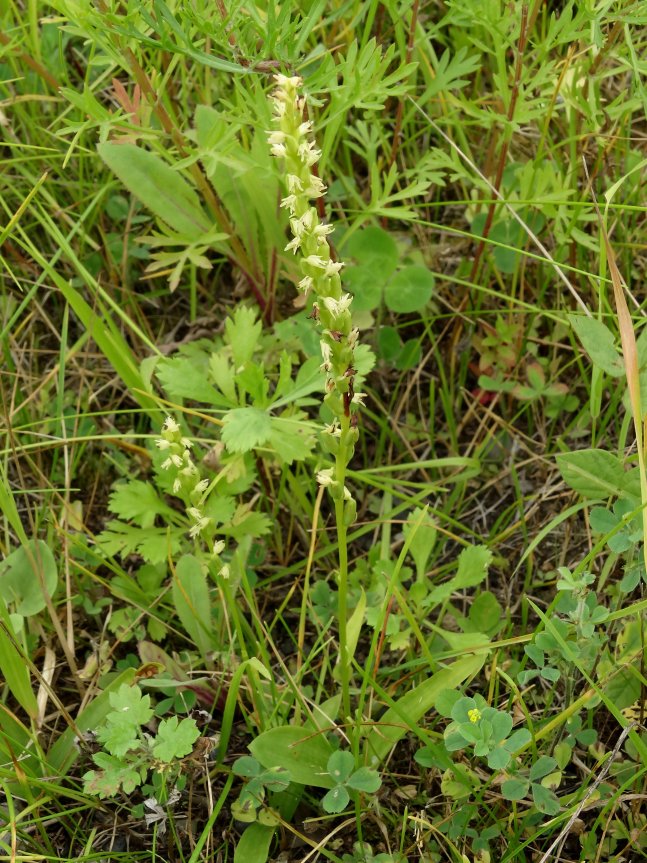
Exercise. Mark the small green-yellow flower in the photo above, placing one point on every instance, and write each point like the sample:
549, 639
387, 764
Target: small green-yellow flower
474, 714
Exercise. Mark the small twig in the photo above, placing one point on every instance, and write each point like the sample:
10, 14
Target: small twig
566, 829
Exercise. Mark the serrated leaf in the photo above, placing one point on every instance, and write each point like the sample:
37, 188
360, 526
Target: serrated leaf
113, 776
161, 189
175, 739
246, 428
291, 438
182, 379
242, 333
118, 738
154, 544
138, 501
129, 707
246, 522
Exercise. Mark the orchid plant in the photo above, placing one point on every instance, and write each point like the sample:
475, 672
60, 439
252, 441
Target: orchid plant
292, 142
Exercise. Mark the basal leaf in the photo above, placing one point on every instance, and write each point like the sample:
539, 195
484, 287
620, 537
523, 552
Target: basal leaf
161, 189
193, 602
291, 438
303, 752
405, 713
592, 472
23, 574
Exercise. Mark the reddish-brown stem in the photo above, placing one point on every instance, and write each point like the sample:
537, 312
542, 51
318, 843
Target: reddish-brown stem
503, 155
33, 64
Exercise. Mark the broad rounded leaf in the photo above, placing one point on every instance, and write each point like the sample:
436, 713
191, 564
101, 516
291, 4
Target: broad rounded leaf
515, 789
336, 800
340, 765
410, 289
365, 779
374, 246
20, 577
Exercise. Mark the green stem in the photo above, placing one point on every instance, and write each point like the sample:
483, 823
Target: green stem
342, 541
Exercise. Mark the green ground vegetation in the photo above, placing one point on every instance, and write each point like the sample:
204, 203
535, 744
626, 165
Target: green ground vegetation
323, 545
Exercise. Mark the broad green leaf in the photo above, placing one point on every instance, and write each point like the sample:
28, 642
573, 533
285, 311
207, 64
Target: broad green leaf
114, 775
254, 845
515, 789
340, 765
592, 472
302, 752
486, 614
409, 290
193, 602
599, 343
374, 246
405, 713
175, 738
118, 739
365, 779
15, 670
23, 574
291, 438
336, 800
377, 256
246, 428
389, 344
161, 189
153, 543
366, 283
542, 767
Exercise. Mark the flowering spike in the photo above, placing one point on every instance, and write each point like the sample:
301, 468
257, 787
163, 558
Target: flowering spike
290, 140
